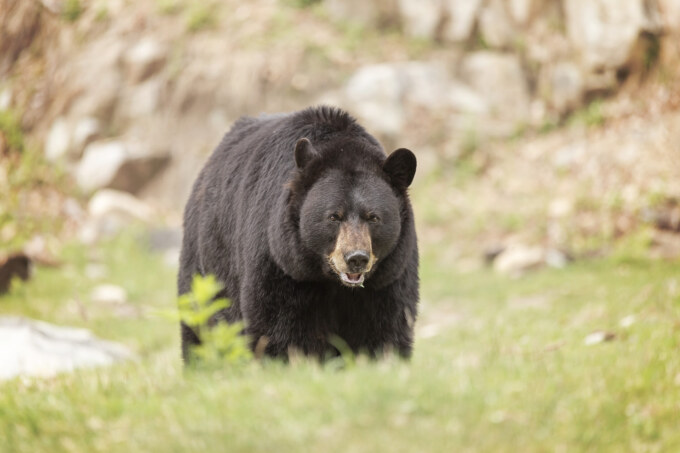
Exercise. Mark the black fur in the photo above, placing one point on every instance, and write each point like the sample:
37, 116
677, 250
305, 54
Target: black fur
257, 219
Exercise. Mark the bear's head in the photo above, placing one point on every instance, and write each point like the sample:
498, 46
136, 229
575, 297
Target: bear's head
351, 207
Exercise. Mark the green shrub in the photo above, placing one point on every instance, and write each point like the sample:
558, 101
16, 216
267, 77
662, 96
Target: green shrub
219, 343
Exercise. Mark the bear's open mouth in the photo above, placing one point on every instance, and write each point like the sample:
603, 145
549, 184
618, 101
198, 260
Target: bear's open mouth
352, 279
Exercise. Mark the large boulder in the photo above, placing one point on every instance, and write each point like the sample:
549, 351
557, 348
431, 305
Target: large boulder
605, 32
463, 99
99, 61
114, 204
500, 80
86, 130
110, 211
670, 15
421, 18
118, 165
522, 11
58, 140
144, 58
67, 137
562, 86
141, 100
381, 94
496, 25
35, 348
460, 19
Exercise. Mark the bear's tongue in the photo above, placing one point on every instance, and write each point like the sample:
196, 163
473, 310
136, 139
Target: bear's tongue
354, 277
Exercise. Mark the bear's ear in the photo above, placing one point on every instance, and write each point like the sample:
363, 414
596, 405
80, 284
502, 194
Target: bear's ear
304, 153
400, 166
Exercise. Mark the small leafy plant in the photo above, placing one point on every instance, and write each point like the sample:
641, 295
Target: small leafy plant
220, 343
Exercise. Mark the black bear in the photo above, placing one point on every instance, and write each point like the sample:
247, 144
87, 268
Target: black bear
308, 225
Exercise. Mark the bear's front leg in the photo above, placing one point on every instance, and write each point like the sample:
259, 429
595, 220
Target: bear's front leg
384, 326
283, 316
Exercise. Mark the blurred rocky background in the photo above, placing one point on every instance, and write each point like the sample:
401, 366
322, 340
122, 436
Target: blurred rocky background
546, 131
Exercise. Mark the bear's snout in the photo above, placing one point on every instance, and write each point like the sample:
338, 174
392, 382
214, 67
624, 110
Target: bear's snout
357, 260
353, 256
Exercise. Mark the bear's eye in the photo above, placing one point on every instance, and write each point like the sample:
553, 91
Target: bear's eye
334, 217
373, 218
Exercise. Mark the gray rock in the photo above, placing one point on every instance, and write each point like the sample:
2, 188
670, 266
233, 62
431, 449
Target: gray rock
141, 100
110, 211
53, 6
563, 85
670, 14
460, 19
100, 163
376, 91
499, 79
171, 257
518, 259
492, 252
560, 208
117, 165
108, 294
86, 131
421, 18
163, 239
381, 94
496, 26
522, 11
5, 99
570, 155
597, 337
102, 101
556, 258
35, 348
424, 83
144, 59
58, 140
108, 202
464, 99
604, 32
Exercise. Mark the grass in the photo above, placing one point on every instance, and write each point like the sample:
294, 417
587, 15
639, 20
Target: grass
499, 365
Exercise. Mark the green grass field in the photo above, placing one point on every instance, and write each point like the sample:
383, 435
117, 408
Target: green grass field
499, 365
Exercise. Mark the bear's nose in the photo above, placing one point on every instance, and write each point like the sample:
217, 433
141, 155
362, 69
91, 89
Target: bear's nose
356, 260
